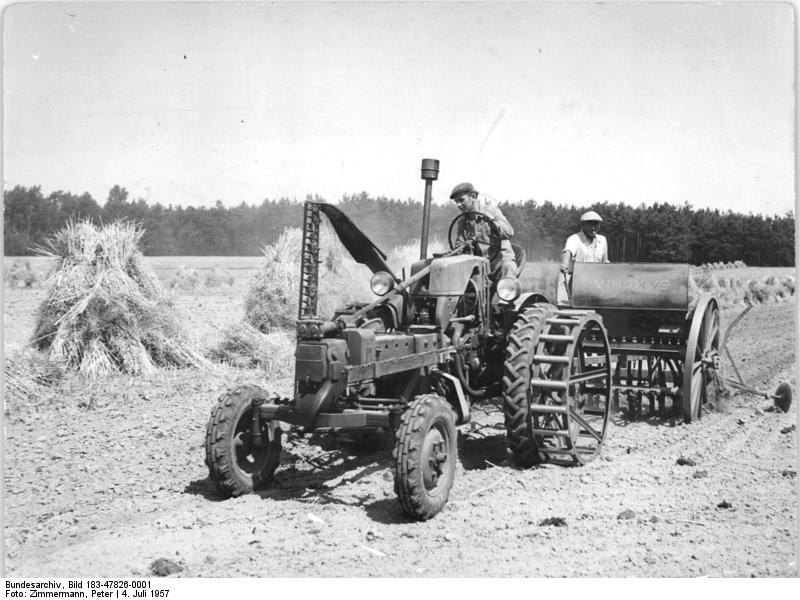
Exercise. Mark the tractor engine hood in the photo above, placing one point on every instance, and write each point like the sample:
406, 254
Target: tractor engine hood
358, 245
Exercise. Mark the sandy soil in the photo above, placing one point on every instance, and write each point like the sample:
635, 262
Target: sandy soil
114, 479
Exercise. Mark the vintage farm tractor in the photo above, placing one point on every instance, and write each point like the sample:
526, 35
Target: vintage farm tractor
414, 359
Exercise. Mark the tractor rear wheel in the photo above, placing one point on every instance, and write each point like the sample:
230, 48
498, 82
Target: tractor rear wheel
425, 455
522, 342
238, 464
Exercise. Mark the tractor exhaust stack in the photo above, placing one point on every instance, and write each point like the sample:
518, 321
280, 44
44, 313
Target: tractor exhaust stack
430, 173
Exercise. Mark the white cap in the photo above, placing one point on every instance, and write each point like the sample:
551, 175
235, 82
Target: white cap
591, 216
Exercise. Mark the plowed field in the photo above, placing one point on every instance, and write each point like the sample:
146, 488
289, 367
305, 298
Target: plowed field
113, 478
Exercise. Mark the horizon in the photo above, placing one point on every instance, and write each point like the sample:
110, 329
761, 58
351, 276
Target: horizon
440, 204
577, 103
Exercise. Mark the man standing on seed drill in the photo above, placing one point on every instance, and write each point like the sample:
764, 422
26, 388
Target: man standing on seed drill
585, 246
494, 241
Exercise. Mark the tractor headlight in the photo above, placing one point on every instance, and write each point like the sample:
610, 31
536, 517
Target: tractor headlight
508, 289
381, 283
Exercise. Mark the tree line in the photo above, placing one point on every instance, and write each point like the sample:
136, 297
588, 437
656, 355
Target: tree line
656, 233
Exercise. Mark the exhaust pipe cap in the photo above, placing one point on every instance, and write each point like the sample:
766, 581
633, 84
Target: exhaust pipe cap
430, 169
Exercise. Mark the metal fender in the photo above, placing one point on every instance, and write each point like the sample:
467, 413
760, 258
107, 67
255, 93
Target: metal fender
462, 406
450, 274
528, 299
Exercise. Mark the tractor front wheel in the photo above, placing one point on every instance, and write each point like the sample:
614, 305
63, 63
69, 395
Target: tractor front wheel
237, 463
425, 456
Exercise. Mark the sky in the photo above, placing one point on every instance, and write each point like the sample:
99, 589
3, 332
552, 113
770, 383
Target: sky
575, 103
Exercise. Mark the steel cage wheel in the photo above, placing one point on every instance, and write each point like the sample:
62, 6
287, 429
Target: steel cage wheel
236, 463
570, 389
425, 455
702, 357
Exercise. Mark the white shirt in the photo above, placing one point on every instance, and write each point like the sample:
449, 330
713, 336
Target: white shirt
582, 249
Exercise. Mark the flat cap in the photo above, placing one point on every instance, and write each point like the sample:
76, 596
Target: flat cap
461, 189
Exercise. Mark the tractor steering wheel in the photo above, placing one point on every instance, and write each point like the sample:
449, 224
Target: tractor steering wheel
471, 240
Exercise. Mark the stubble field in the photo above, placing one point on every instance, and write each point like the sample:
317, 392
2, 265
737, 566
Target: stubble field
111, 478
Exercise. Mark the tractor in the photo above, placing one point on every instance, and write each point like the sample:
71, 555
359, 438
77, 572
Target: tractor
412, 362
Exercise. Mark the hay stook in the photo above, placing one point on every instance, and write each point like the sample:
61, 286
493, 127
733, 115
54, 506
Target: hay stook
219, 277
21, 275
184, 279
244, 346
105, 310
273, 294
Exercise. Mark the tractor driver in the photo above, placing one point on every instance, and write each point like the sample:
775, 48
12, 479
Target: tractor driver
496, 241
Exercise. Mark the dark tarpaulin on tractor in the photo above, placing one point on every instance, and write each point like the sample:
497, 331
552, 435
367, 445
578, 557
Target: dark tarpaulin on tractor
358, 245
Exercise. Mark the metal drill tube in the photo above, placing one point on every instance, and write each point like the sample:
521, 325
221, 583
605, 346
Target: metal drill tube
746, 388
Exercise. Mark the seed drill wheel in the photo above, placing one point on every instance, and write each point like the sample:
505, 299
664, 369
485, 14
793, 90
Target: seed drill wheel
570, 386
425, 455
702, 357
238, 463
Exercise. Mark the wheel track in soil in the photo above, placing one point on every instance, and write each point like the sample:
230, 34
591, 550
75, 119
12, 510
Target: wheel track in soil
720, 434
717, 434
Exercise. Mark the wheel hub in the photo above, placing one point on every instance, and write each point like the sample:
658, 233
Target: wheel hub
437, 457
711, 360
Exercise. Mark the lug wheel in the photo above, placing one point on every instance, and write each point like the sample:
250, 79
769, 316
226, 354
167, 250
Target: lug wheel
237, 463
570, 386
702, 357
425, 455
